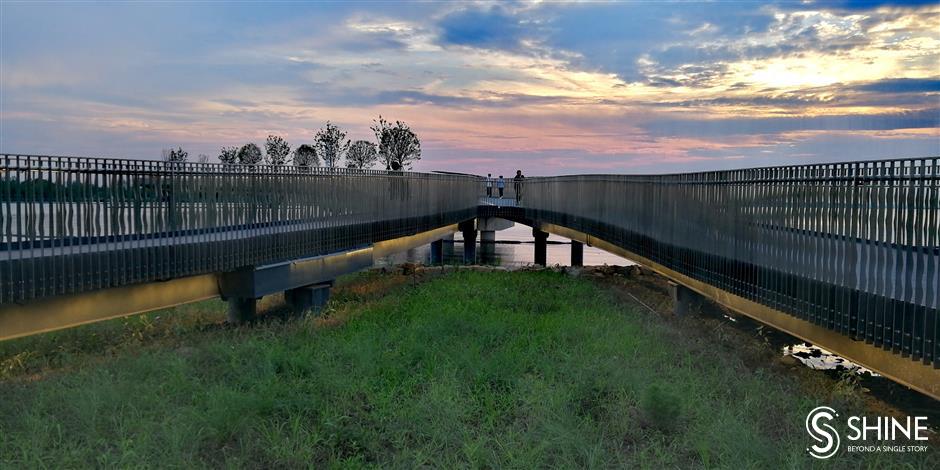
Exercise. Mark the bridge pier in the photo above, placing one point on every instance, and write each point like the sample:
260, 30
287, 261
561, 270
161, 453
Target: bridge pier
488, 226
313, 297
683, 299
437, 252
448, 246
577, 254
487, 246
469, 230
242, 310
541, 247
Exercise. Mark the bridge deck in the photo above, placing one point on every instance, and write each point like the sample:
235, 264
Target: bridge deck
853, 248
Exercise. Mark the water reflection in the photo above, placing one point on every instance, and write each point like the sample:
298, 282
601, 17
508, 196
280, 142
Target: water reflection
513, 247
818, 358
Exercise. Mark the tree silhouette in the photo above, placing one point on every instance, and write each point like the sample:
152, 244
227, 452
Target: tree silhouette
398, 144
229, 155
306, 156
331, 144
361, 154
175, 155
202, 158
249, 154
277, 149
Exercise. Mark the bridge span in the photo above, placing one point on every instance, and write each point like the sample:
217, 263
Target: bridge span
844, 255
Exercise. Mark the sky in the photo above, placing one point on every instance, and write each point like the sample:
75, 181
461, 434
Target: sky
489, 87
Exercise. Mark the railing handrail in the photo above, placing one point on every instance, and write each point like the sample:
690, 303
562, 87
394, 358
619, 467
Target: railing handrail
839, 244
720, 176
200, 167
263, 168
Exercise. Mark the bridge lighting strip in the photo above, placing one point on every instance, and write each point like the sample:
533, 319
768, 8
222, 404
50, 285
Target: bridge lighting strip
913, 374
67, 311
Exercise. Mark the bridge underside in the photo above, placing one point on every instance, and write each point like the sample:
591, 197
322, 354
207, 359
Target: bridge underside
900, 368
846, 337
66, 311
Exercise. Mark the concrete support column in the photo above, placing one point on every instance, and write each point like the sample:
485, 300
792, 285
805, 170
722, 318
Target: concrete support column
470, 247
437, 252
241, 310
577, 253
308, 298
469, 231
682, 299
487, 246
448, 246
541, 247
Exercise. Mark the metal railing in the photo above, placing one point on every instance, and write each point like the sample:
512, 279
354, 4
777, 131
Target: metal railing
854, 247
74, 224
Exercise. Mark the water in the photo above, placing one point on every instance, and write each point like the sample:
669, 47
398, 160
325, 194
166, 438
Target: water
817, 358
520, 250
811, 356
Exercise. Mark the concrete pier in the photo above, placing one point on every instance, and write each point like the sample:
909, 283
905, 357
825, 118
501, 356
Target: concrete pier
487, 246
577, 253
437, 252
469, 231
308, 298
241, 310
541, 248
494, 224
448, 246
488, 226
683, 299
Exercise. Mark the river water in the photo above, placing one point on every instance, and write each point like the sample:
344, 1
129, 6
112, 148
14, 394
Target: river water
514, 247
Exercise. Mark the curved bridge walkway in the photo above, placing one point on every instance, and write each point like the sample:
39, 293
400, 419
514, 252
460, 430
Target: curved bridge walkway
844, 255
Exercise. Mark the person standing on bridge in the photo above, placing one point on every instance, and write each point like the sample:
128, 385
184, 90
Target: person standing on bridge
517, 185
500, 185
489, 185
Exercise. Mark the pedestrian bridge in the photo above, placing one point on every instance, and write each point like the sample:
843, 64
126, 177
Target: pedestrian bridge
845, 255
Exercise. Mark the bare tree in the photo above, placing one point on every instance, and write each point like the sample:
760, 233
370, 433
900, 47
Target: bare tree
361, 154
278, 150
174, 155
229, 155
398, 144
306, 156
249, 154
202, 158
331, 144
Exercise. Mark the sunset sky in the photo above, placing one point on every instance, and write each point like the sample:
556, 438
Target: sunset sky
551, 88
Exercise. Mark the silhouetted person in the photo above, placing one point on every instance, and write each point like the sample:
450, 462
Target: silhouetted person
500, 185
517, 185
396, 185
489, 185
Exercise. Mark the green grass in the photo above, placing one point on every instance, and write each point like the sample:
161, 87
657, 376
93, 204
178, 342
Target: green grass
467, 370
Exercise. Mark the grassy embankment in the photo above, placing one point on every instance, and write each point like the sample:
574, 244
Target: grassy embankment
468, 369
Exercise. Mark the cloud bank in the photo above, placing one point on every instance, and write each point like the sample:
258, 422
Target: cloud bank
490, 87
